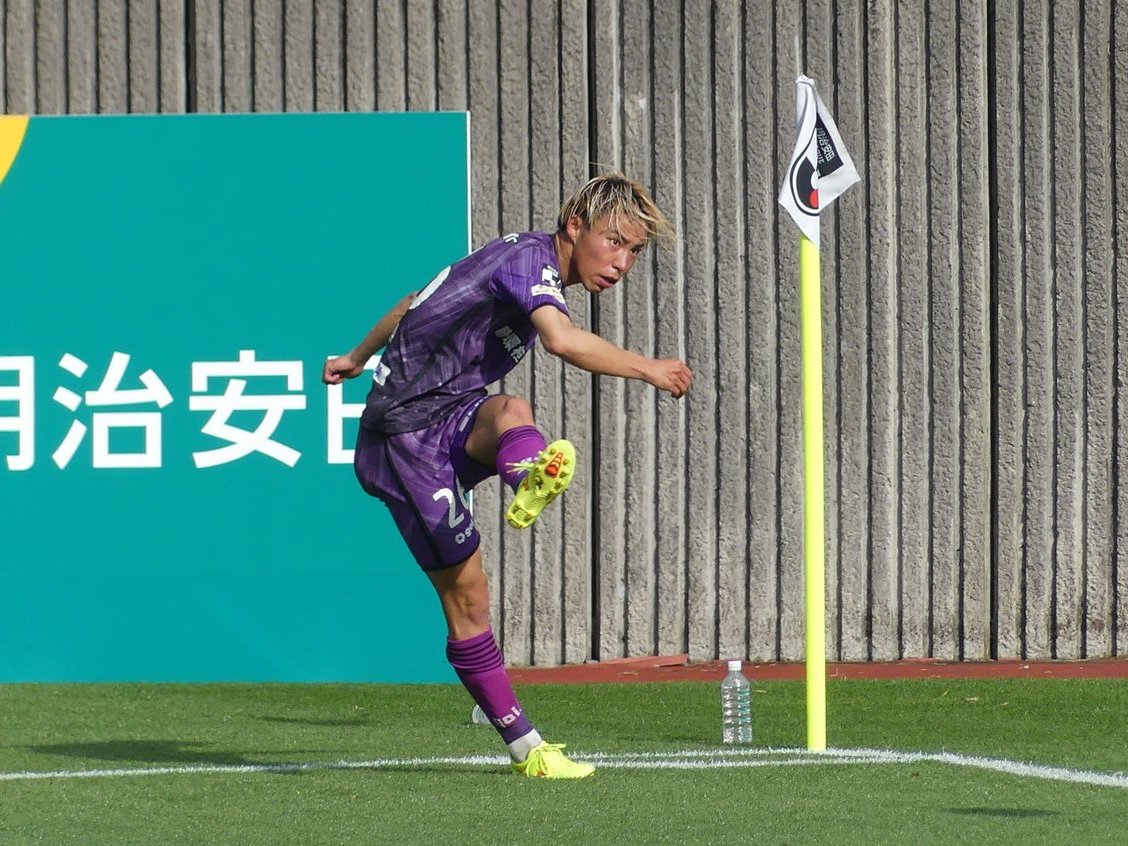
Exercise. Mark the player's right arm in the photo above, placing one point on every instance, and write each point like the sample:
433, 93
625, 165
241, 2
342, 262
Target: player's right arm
348, 366
594, 354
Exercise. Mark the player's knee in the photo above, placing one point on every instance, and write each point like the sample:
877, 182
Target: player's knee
514, 411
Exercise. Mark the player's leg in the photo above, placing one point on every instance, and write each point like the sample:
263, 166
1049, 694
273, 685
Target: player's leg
418, 478
473, 652
412, 474
505, 435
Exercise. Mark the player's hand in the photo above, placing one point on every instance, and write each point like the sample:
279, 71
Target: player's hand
339, 369
671, 375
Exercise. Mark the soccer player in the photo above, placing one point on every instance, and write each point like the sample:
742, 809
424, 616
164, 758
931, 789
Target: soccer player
430, 433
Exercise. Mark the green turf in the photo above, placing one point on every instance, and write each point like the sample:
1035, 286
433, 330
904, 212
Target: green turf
1076, 724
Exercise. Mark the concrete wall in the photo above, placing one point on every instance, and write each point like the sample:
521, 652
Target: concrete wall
975, 330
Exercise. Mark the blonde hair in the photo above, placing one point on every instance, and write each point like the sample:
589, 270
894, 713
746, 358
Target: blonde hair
614, 195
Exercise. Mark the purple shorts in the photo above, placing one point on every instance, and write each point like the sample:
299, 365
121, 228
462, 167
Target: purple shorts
424, 478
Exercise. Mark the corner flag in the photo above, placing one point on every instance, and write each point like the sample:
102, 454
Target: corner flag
820, 170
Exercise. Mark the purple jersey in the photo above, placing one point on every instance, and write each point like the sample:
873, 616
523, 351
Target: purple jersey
464, 331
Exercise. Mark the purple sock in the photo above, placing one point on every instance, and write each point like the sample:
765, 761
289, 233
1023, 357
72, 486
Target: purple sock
481, 669
521, 443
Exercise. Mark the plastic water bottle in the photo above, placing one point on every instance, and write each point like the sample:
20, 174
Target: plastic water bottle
736, 706
478, 717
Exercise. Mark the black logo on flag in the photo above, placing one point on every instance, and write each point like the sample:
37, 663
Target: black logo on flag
829, 160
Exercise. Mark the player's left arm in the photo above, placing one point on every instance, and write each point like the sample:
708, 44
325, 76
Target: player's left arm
348, 366
590, 352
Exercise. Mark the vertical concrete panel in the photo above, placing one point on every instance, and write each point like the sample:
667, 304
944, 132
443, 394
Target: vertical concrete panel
609, 410
636, 297
1120, 285
762, 117
143, 48
945, 320
1038, 236
485, 122
604, 75
669, 335
699, 239
914, 355
268, 52
1010, 414
609, 404
790, 607
19, 57
1069, 402
6, 42
113, 57
850, 277
360, 56
391, 58
236, 31
576, 416
548, 561
329, 56
732, 323
82, 59
421, 59
975, 340
298, 53
884, 313
173, 41
205, 88
517, 553
451, 55
1100, 341
50, 57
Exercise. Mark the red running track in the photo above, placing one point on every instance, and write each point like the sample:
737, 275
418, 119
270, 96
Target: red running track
680, 668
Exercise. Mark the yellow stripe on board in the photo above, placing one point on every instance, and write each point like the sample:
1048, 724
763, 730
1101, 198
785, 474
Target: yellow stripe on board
12, 130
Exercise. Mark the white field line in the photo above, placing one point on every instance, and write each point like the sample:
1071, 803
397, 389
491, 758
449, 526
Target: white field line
702, 759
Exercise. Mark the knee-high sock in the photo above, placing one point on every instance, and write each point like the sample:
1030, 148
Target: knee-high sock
521, 443
481, 669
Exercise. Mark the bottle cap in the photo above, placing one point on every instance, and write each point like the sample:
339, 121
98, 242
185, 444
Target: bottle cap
734, 666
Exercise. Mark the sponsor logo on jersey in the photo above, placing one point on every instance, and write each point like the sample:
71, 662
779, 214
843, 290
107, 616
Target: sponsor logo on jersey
547, 291
549, 285
512, 343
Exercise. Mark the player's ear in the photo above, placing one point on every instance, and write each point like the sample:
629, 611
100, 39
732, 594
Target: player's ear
574, 227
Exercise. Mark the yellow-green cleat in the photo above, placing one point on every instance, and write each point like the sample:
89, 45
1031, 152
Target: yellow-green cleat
547, 760
548, 477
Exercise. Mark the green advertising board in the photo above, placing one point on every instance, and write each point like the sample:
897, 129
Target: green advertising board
177, 500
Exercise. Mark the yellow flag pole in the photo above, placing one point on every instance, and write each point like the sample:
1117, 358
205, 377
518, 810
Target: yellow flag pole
813, 544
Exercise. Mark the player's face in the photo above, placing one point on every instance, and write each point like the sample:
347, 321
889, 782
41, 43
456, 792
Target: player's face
603, 253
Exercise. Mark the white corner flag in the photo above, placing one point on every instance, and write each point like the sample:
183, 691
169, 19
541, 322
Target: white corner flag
820, 168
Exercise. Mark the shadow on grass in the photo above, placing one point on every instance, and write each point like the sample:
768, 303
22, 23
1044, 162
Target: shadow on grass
187, 753
152, 752
441, 769
356, 722
1010, 813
